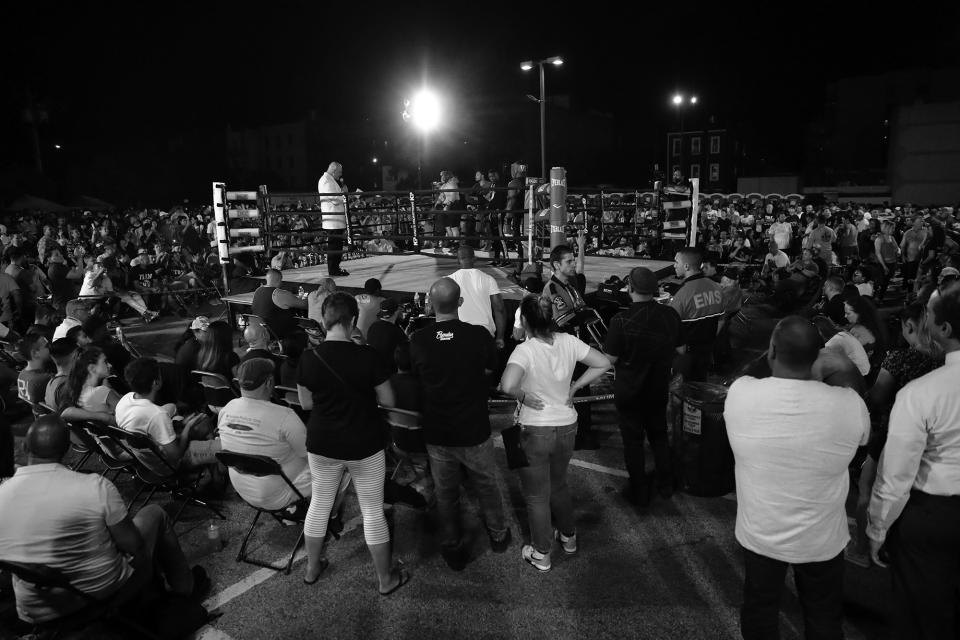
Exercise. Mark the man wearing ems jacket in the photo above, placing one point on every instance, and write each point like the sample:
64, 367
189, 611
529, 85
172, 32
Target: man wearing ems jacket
699, 302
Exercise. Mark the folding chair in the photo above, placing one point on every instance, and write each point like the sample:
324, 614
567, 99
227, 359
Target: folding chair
290, 397
163, 477
46, 578
84, 444
217, 390
406, 434
112, 454
263, 466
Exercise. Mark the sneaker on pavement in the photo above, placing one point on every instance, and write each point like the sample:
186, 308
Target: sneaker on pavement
568, 543
539, 561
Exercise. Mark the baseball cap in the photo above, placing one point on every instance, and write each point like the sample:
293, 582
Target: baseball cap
201, 323
949, 271
254, 372
388, 306
643, 281
372, 285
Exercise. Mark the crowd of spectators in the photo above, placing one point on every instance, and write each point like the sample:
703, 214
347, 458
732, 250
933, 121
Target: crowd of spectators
836, 268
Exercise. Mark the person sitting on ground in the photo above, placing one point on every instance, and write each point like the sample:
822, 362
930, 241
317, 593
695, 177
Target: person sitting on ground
78, 524
138, 412
77, 312
369, 304
843, 342
216, 353
32, 381
384, 335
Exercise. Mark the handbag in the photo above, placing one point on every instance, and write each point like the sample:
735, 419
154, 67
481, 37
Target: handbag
512, 435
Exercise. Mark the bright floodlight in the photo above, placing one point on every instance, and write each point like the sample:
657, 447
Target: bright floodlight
555, 60
425, 110
526, 65
677, 99
693, 100
374, 160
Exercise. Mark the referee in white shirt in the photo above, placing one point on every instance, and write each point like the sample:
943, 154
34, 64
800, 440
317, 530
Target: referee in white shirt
916, 497
333, 216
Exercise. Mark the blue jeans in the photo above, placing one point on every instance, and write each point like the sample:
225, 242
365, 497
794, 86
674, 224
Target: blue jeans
544, 482
445, 467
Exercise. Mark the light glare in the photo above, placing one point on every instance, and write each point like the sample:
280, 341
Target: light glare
425, 110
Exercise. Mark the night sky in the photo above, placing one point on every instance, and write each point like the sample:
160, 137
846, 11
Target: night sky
125, 78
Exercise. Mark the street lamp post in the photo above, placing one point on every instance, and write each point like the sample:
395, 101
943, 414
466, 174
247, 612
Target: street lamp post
527, 65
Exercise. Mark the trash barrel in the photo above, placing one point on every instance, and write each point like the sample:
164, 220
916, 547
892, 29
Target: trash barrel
702, 458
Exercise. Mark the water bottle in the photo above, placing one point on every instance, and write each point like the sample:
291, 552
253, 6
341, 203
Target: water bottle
213, 537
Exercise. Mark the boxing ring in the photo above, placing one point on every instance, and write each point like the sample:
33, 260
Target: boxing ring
404, 275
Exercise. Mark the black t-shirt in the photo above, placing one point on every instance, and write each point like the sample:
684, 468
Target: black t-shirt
644, 337
345, 423
143, 275
61, 288
450, 359
385, 337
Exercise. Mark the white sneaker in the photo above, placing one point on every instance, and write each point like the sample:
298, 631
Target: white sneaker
539, 561
568, 543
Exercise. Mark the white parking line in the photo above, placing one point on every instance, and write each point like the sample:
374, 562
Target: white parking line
610, 471
259, 576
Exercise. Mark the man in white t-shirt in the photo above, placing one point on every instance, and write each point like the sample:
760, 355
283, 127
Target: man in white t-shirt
253, 424
482, 302
368, 304
781, 232
138, 412
793, 439
774, 260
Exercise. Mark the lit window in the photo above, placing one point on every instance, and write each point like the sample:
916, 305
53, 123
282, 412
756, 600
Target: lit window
676, 146
714, 144
694, 171
715, 172
695, 146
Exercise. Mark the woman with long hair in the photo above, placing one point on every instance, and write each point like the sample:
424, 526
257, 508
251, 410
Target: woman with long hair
341, 382
539, 375
865, 324
216, 353
86, 386
900, 366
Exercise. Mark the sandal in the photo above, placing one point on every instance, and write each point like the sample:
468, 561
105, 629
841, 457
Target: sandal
403, 577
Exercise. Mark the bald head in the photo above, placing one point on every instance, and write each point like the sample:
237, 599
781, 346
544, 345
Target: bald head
274, 277
466, 256
794, 347
256, 335
48, 439
335, 169
445, 296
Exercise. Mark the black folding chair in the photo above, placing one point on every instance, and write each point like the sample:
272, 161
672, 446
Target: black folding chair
182, 484
217, 390
112, 454
290, 397
406, 434
263, 466
46, 579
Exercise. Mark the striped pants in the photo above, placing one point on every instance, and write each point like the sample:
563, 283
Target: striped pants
368, 477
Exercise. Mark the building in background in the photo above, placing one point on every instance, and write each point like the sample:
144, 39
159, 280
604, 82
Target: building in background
709, 154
